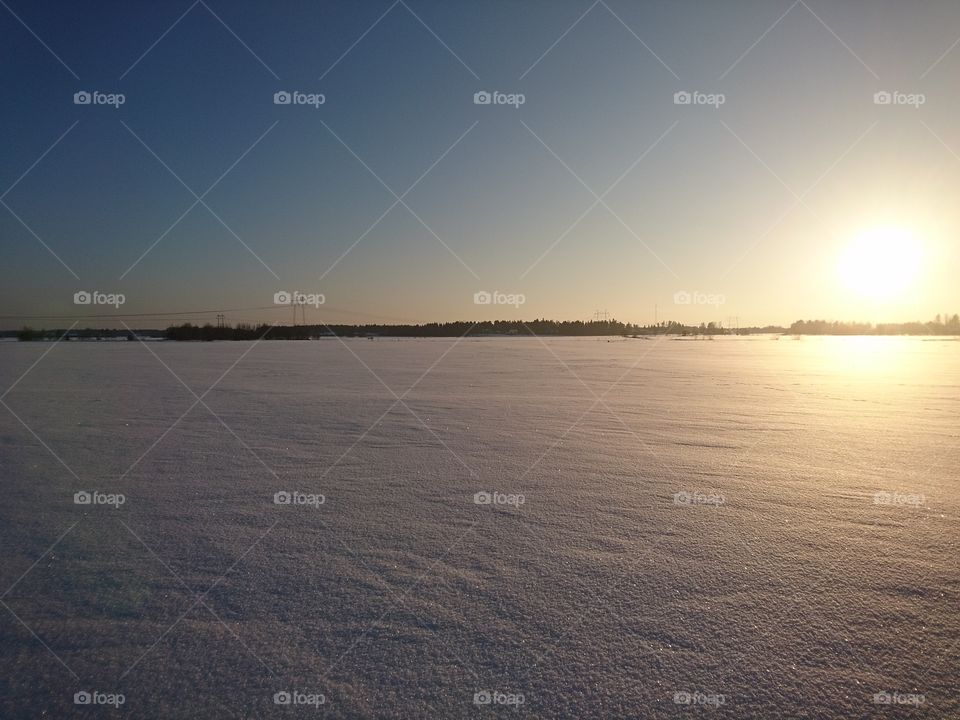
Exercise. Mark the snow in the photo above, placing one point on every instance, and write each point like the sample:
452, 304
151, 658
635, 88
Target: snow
801, 595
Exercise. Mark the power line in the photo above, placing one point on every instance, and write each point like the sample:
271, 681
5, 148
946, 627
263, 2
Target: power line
132, 315
212, 311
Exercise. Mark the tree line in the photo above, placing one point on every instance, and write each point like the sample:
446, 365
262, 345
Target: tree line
941, 325
539, 327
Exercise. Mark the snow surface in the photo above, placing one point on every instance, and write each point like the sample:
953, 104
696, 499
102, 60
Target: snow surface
797, 592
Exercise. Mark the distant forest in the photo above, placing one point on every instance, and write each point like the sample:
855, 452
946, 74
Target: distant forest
941, 325
544, 328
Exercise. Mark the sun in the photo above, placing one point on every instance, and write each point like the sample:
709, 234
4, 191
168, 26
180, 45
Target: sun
882, 263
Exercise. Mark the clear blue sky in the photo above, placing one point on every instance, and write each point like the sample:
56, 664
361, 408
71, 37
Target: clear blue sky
712, 206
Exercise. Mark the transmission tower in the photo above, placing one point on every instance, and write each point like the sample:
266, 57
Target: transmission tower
299, 302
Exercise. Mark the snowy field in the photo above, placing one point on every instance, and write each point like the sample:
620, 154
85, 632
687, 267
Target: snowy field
739, 528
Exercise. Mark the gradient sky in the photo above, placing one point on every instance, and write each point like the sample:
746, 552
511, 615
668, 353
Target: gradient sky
754, 200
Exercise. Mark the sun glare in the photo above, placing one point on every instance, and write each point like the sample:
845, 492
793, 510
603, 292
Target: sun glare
882, 263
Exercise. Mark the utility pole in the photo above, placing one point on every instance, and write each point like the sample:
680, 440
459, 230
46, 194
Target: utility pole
299, 303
